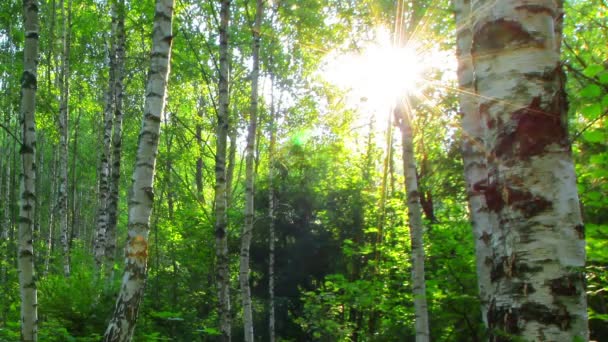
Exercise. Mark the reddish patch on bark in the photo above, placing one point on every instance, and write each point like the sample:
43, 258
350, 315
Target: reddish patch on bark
500, 34
536, 128
138, 248
524, 201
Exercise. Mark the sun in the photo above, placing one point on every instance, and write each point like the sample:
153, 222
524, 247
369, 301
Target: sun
381, 73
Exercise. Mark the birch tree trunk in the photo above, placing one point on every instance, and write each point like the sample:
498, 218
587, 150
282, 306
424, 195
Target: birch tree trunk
250, 178
119, 17
473, 153
271, 216
122, 323
538, 245
27, 279
221, 241
104, 168
63, 137
414, 213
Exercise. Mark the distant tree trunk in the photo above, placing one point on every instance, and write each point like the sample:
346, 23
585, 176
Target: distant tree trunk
199, 150
414, 213
271, 213
250, 178
49, 238
473, 153
233, 135
221, 239
538, 245
104, 169
118, 16
27, 278
63, 137
122, 323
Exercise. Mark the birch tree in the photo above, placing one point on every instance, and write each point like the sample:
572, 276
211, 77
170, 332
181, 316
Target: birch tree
538, 244
63, 135
473, 151
122, 323
221, 220
250, 178
414, 214
27, 279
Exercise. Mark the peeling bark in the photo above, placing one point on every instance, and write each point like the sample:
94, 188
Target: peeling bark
27, 278
122, 323
538, 252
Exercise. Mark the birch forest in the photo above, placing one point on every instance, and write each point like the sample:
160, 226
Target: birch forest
303, 170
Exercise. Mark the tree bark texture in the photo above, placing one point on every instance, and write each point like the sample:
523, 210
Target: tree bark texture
538, 245
473, 153
271, 217
63, 137
27, 278
414, 213
250, 178
118, 16
104, 169
122, 323
221, 240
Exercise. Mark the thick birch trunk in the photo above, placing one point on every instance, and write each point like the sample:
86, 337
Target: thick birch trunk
119, 18
473, 153
414, 213
538, 245
221, 241
27, 279
63, 138
250, 179
122, 323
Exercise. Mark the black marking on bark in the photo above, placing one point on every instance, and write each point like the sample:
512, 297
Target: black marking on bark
220, 231
31, 35
508, 266
493, 196
536, 128
28, 80
580, 231
566, 285
523, 288
485, 237
500, 34
529, 204
504, 321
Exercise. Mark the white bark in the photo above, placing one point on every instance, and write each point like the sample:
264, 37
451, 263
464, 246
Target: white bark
104, 169
27, 279
250, 178
473, 152
118, 17
538, 245
221, 241
414, 213
122, 323
63, 138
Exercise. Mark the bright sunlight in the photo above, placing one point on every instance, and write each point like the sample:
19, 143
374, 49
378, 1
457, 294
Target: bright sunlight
375, 77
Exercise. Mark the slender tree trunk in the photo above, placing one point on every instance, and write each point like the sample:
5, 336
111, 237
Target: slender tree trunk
473, 153
271, 214
122, 323
113, 199
63, 137
49, 238
233, 135
221, 240
538, 245
250, 178
27, 278
414, 213
104, 169
199, 150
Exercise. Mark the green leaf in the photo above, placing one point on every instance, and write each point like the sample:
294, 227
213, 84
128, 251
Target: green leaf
593, 70
594, 136
603, 78
592, 111
605, 100
590, 91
